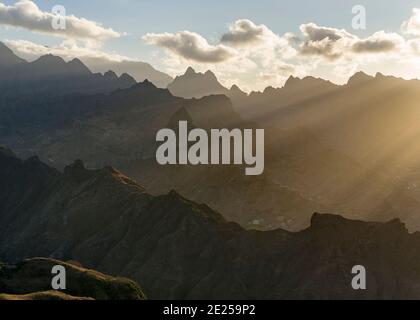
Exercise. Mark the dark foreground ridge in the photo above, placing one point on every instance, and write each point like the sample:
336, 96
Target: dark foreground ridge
31, 280
178, 249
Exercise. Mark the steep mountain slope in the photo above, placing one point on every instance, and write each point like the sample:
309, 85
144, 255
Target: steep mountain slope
31, 280
180, 249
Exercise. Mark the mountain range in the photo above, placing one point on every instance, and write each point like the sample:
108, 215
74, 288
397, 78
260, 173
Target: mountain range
324, 143
120, 129
52, 76
310, 165
140, 71
178, 249
370, 124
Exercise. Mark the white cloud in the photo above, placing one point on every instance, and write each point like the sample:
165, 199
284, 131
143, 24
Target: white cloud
190, 46
411, 27
314, 32
244, 32
26, 14
333, 44
379, 42
242, 53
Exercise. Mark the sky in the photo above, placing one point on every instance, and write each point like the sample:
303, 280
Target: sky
250, 43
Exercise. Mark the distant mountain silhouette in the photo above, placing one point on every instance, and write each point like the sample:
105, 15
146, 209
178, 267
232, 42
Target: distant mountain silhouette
52, 76
178, 249
8, 58
139, 70
197, 85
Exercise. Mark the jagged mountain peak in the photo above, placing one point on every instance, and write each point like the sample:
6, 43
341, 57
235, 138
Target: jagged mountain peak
210, 74
189, 71
147, 84
127, 77
142, 90
359, 77
110, 74
291, 80
78, 66
306, 81
234, 89
196, 85
52, 65
269, 90
49, 58
52, 75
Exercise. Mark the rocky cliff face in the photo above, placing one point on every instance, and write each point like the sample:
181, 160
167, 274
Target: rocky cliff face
177, 248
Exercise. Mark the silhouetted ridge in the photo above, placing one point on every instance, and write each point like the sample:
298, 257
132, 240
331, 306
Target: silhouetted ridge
127, 77
189, 72
110, 74
51, 76
147, 84
78, 67
193, 84
8, 58
359, 78
336, 222
49, 60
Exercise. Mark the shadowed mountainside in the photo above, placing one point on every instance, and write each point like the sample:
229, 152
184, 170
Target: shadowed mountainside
304, 173
180, 249
120, 129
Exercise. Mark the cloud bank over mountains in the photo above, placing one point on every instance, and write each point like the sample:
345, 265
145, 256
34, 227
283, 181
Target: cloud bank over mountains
248, 51
244, 53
